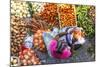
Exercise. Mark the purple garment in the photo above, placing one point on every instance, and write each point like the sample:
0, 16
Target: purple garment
69, 39
53, 47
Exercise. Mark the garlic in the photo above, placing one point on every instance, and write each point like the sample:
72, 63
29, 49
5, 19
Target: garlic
19, 7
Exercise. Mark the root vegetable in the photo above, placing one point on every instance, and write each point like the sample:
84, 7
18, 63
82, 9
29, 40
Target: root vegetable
26, 57
19, 9
29, 53
30, 57
29, 62
38, 41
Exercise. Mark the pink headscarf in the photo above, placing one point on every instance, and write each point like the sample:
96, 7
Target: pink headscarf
65, 53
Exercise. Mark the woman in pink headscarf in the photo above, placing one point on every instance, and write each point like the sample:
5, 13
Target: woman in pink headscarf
59, 49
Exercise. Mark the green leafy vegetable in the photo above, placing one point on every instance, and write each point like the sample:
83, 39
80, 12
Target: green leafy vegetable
84, 21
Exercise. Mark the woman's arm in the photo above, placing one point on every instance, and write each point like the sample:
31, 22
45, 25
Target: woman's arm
60, 35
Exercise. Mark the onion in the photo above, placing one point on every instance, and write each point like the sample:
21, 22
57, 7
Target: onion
20, 53
29, 49
24, 61
24, 64
41, 41
26, 57
39, 31
40, 34
35, 62
35, 40
32, 51
21, 57
39, 38
29, 61
25, 51
36, 36
29, 53
32, 60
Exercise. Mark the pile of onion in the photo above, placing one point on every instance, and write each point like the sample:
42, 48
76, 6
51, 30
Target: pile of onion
38, 41
28, 57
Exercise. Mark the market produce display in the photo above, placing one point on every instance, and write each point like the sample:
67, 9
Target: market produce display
28, 57
91, 13
19, 9
37, 24
38, 27
63, 14
50, 14
38, 41
43, 33
18, 32
67, 15
84, 20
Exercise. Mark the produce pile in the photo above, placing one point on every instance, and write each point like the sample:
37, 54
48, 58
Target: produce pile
59, 14
19, 9
37, 23
85, 19
38, 27
18, 32
38, 41
28, 57
67, 15
29, 20
91, 13
50, 14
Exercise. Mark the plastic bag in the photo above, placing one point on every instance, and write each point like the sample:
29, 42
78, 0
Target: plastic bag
28, 41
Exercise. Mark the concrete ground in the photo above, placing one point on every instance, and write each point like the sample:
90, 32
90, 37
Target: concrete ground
80, 55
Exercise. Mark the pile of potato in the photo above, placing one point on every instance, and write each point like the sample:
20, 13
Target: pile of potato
18, 32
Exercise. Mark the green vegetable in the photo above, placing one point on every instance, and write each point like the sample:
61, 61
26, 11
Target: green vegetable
84, 21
